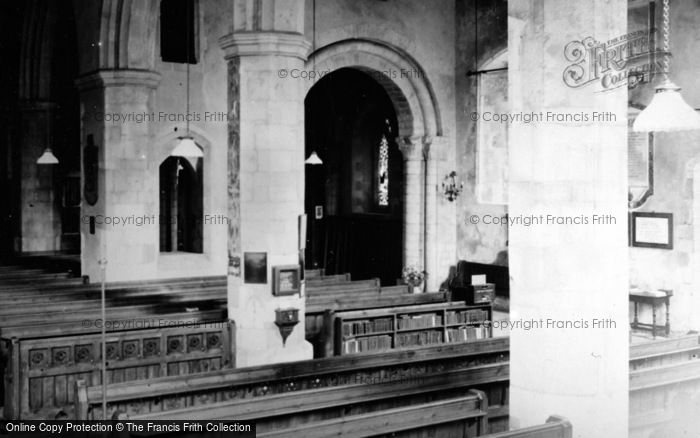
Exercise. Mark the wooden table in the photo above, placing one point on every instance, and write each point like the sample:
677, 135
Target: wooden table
654, 298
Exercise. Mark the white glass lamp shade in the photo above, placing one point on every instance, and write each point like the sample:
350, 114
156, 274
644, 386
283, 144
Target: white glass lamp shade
47, 157
313, 159
186, 147
667, 112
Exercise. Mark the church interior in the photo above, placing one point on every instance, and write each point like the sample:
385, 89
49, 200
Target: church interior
444, 218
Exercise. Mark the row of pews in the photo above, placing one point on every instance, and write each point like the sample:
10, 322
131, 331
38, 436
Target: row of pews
50, 334
455, 389
178, 362
665, 387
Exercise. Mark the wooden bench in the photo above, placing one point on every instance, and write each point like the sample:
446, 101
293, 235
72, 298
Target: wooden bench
54, 290
480, 365
343, 287
555, 427
40, 372
659, 372
405, 421
327, 279
360, 405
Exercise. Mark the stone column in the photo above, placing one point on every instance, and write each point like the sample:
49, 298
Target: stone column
40, 215
266, 187
124, 181
412, 150
431, 215
569, 280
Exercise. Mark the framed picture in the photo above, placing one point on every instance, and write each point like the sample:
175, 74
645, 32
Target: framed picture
286, 280
255, 267
652, 230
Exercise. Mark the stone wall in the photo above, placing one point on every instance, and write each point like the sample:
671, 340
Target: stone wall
676, 184
476, 242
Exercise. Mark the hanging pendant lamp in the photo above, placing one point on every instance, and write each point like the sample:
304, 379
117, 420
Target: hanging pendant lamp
667, 111
313, 159
47, 157
186, 146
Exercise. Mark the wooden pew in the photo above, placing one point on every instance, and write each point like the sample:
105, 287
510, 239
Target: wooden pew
78, 301
555, 427
358, 405
403, 421
664, 351
320, 311
59, 291
314, 273
659, 372
40, 372
480, 365
327, 279
82, 323
344, 287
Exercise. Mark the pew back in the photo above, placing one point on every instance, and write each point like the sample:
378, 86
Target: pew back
41, 372
484, 364
555, 427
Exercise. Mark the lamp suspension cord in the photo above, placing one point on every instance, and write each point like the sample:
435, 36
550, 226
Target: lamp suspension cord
187, 68
667, 32
476, 37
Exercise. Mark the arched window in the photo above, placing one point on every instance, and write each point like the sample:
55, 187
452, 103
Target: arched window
181, 205
382, 167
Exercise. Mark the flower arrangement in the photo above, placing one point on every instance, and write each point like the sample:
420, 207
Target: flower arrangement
413, 276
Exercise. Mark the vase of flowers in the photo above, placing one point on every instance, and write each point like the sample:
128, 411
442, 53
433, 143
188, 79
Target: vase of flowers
414, 277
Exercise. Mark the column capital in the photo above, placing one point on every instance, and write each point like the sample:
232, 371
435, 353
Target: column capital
414, 148
286, 44
118, 78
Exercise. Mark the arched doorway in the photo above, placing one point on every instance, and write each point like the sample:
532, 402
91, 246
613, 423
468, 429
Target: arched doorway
354, 200
181, 202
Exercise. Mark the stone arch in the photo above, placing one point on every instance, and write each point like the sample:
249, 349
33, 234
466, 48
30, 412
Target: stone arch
122, 38
402, 77
127, 34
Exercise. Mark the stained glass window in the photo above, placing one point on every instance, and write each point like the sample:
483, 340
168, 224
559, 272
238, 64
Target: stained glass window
383, 173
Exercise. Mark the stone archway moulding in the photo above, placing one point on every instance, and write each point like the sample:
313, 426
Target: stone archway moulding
402, 77
407, 85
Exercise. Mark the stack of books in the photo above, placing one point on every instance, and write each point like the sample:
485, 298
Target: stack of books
467, 316
464, 334
367, 326
369, 343
425, 320
418, 338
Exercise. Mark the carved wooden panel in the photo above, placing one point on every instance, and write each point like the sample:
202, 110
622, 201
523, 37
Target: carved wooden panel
48, 368
398, 372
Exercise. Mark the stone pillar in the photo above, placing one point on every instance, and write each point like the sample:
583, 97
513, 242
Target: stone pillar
266, 187
412, 150
40, 215
567, 275
124, 180
431, 215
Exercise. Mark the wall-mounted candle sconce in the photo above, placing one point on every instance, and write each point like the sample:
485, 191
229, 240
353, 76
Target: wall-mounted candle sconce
450, 187
286, 319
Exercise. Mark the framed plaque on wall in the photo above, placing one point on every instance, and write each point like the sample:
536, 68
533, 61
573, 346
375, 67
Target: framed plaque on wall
652, 230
